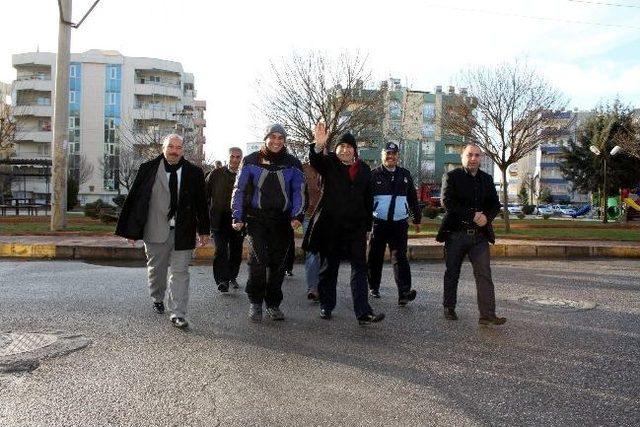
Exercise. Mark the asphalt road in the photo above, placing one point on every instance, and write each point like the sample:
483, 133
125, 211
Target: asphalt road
546, 366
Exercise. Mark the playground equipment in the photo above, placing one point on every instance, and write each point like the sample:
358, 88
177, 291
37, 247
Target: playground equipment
631, 203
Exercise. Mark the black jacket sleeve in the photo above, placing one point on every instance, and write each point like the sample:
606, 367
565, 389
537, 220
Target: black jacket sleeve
492, 206
318, 160
202, 210
412, 200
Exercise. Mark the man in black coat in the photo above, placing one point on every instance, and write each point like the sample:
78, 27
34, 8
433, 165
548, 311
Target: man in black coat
228, 242
341, 222
471, 203
166, 207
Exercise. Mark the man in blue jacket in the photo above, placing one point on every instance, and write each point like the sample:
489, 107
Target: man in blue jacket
394, 199
268, 197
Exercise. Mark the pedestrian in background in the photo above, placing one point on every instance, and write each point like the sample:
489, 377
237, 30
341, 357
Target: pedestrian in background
228, 242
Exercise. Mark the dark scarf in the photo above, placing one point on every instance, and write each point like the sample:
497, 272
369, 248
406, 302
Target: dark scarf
173, 184
270, 156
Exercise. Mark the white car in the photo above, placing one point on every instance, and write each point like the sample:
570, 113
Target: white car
514, 209
567, 210
544, 210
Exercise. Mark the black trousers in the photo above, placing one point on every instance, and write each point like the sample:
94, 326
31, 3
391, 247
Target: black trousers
458, 245
355, 250
393, 234
268, 245
291, 254
228, 254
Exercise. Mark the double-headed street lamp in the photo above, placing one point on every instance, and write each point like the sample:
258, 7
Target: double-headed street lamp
615, 150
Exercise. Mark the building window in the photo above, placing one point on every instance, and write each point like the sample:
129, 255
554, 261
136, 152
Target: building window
111, 98
429, 112
44, 125
72, 71
395, 110
72, 97
113, 73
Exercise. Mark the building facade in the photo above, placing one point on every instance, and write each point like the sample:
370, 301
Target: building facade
541, 168
113, 99
413, 119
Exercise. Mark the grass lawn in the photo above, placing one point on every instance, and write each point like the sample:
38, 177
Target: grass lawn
523, 229
39, 225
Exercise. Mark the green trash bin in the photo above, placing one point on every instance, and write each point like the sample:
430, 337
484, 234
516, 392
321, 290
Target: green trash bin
613, 208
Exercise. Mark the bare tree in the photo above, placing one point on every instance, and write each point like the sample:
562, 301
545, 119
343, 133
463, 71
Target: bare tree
85, 170
304, 89
510, 111
8, 131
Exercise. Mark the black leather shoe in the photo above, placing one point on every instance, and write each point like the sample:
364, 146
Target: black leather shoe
375, 293
325, 314
158, 307
492, 320
406, 297
450, 313
223, 287
370, 318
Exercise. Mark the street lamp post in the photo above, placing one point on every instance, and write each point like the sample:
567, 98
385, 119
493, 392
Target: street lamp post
615, 150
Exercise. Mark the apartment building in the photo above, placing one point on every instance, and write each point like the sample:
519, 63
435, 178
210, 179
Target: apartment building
112, 99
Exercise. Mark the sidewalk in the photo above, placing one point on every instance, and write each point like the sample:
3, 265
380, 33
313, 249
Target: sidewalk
116, 248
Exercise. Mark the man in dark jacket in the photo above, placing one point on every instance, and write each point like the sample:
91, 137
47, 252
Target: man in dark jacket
166, 207
471, 203
228, 242
340, 223
269, 197
394, 199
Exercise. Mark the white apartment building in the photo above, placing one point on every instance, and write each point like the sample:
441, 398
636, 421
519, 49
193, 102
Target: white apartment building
109, 95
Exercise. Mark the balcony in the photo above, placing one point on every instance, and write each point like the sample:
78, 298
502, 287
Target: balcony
144, 111
33, 109
31, 155
36, 136
197, 121
149, 88
39, 84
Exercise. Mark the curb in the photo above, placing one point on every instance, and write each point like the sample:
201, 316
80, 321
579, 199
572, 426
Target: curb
414, 252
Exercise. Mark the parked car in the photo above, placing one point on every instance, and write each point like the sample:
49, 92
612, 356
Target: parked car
567, 210
543, 210
514, 209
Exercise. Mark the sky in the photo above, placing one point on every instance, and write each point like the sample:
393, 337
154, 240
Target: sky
589, 50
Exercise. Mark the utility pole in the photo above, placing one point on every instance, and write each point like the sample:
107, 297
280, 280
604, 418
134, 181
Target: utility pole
61, 120
61, 115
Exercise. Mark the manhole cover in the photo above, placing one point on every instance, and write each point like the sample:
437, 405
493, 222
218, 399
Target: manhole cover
15, 343
551, 302
23, 351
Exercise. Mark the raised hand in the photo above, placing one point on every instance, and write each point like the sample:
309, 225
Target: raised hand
320, 135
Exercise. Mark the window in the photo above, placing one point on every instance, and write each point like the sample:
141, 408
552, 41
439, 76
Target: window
43, 101
395, 110
429, 112
72, 97
44, 125
113, 73
428, 130
72, 71
111, 98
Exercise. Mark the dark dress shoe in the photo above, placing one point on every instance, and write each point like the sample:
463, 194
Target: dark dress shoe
450, 313
158, 307
370, 318
406, 297
325, 314
375, 293
492, 320
223, 287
